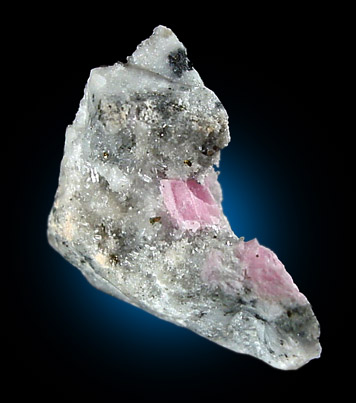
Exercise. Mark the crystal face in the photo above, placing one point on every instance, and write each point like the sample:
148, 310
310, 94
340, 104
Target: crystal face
138, 210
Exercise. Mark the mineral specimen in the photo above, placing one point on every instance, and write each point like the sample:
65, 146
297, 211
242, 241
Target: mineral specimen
138, 210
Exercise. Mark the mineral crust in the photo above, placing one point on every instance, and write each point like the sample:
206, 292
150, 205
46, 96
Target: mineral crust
138, 210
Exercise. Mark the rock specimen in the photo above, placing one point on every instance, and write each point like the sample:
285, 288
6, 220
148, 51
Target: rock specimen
138, 210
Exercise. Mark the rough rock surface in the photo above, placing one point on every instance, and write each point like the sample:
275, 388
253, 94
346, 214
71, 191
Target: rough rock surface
138, 210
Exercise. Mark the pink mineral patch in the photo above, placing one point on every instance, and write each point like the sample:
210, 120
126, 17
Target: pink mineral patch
266, 273
190, 203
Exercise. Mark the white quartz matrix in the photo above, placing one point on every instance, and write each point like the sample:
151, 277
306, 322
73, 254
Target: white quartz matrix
138, 210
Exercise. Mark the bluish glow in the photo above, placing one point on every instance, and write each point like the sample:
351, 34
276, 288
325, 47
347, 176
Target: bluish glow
259, 195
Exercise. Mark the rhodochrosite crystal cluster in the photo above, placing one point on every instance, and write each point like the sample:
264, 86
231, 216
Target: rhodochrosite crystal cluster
138, 210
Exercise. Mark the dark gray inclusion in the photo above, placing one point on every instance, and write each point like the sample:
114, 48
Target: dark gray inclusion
179, 62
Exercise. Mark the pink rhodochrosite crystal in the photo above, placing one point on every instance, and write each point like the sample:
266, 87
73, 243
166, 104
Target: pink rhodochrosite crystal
190, 204
138, 210
265, 273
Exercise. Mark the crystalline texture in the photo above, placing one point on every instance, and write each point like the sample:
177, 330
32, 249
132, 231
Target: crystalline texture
138, 210
190, 204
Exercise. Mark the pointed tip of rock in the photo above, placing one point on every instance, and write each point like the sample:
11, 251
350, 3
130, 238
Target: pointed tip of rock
163, 31
162, 53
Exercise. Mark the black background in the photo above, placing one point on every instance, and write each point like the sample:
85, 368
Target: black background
277, 72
